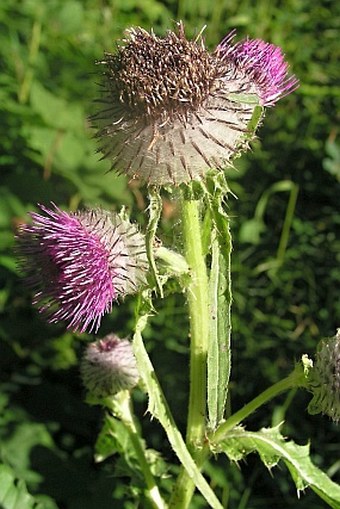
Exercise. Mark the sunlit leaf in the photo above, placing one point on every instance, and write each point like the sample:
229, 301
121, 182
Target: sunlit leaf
272, 448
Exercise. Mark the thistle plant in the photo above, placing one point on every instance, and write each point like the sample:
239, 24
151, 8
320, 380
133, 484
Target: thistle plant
173, 115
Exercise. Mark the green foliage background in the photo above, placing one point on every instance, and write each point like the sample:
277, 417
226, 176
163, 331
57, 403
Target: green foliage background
286, 258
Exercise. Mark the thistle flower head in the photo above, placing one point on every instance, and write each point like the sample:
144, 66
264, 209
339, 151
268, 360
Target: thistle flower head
172, 110
77, 264
325, 379
109, 366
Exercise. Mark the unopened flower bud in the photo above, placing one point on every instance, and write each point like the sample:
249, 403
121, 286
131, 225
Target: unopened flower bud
324, 381
109, 366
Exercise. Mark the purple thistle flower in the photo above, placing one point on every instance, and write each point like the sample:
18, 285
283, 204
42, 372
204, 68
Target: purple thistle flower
109, 366
77, 264
173, 111
262, 63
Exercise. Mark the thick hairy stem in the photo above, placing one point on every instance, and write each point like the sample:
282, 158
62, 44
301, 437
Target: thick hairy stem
197, 295
122, 409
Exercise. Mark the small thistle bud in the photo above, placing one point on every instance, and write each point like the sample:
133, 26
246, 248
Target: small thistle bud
324, 381
109, 366
172, 110
78, 263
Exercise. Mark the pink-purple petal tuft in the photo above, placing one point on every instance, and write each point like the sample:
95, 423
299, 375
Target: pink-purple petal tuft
262, 62
77, 264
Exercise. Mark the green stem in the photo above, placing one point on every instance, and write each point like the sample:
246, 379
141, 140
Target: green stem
197, 294
32, 56
185, 487
159, 408
122, 408
295, 379
287, 223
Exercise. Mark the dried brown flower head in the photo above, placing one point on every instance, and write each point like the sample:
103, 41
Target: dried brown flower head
173, 110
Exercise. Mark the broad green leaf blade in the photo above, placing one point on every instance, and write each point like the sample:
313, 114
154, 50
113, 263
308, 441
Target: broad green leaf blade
272, 447
158, 407
112, 439
14, 494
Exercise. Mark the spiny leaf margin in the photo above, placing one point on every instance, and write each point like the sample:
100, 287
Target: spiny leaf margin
273, 447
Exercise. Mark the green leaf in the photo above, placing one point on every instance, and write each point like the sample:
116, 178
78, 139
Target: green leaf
14, 494
155, 210
251, 231
220, 297
17, 448
219, 336
244, 98
112, 439
55, 111
255, 121
71, 17
332, 162
272, 447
